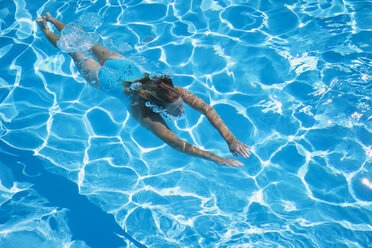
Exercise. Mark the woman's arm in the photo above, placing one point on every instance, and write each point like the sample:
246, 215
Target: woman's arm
156, 124
236, 146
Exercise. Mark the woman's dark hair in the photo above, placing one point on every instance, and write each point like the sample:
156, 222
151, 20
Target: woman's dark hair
158, 90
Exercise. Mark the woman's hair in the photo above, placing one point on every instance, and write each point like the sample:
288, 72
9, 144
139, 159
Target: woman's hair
158, 90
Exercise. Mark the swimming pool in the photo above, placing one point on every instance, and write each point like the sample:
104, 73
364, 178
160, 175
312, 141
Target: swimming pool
292, 79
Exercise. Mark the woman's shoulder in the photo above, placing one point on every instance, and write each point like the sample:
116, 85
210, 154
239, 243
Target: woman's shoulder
183, 92
180, 90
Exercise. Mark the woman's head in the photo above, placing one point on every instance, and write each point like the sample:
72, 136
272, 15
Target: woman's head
160, 94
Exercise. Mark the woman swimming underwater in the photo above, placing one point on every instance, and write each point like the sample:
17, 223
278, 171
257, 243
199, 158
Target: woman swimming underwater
150, 99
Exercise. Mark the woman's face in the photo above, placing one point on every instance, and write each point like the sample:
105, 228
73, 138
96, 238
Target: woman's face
175, 108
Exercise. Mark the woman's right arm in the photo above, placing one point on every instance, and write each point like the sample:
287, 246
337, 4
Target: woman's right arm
156, 124
236, 146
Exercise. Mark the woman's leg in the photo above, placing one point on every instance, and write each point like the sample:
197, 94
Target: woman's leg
85, 63
52, 37
87, 66
101, 52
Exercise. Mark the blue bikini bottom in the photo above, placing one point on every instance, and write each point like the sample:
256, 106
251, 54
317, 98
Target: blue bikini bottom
113, 73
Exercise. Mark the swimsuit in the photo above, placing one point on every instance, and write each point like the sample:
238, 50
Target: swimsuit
113, 72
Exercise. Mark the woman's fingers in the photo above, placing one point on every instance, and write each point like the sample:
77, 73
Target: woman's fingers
238, 147
244, 152
238, 163
231, 162
241, 151
247, 153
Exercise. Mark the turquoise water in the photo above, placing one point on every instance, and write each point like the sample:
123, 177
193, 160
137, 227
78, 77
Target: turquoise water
292, 79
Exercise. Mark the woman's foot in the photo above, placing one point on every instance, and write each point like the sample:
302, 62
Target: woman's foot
47, 16
52, 37
58, 24
42, 24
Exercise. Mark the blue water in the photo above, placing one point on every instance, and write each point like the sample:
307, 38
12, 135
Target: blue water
292, 79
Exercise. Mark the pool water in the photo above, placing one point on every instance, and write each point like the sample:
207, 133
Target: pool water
292, 79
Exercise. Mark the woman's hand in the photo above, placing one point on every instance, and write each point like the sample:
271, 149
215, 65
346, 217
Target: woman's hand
238, 147
229, 162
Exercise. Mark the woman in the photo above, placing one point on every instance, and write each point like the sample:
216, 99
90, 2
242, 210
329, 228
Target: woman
150, 98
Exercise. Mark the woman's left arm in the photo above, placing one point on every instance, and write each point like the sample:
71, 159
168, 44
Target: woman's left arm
236, 146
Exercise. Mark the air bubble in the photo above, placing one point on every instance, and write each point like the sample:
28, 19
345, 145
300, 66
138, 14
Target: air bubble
90, 19
73, 40
70, 28
138, 59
